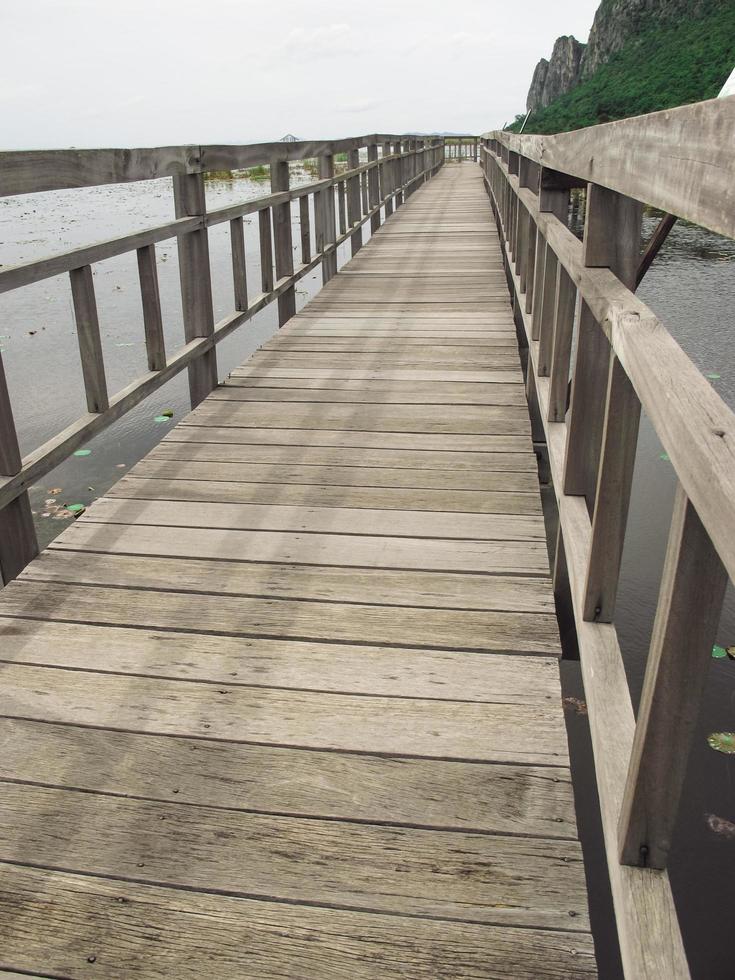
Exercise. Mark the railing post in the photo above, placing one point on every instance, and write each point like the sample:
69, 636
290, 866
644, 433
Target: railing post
305, 228
373, 187
282, 240
150, 296
265, 238
329, 262
690, 599
18, 543
612, 239
196, 284
353, 201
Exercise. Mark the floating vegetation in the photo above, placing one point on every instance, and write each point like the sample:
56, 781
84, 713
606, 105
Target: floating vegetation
720, 826
721, 653
75, 509
722, 742
168, 413
665, 457
162, 418
576, 705
82, 452
713, 376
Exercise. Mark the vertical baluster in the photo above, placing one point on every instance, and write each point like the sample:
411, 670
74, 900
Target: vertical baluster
88, 335
387, 180
373, 195
533, 237
18, 544
353, 201
566, 301
341, 207
398, 148
326, 172
152, 318
690, 599
196, 284
282, 240
304, 227
548, 310
266, 250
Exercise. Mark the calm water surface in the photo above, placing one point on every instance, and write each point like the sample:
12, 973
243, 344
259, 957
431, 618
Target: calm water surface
689, 287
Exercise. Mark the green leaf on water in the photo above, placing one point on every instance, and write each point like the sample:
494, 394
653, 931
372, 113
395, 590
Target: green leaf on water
712, 376
722, 742
718, 652
83, 452
665, 457
168, 412
162, 418
75, 508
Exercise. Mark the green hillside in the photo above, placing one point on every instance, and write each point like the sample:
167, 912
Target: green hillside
662, 67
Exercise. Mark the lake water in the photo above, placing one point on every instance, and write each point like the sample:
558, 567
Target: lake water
688, 286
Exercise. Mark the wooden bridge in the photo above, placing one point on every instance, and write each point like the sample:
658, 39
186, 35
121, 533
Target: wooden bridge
285, 702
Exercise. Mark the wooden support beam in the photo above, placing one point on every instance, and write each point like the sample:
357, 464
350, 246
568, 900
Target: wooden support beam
196, 284
282, 240
690, 599
548, 310
152, 318
18, 543
88, 336
654, 246
386, 180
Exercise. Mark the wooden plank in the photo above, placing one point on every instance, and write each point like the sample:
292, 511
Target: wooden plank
256, 939
88, 336
378, 725
364, 393
324, 495
460, 419
690, 601
484, 630
674, 160
255, 663
312, 547
341, 455
429, 793
441, 590
326, 520
323, 862
168, 464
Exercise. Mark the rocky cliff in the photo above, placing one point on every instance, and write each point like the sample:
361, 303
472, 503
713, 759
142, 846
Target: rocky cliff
616, 21
558, 75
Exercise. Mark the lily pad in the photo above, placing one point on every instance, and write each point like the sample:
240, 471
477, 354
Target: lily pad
722, 742
718, 652
83, 452
665, 457
162, 418
712, 376
168, 412
75, 508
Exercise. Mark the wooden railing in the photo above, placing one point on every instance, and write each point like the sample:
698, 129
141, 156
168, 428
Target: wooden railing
461, 147
342, 204
572, 295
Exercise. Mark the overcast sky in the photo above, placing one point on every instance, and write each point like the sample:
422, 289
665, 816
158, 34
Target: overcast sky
155, 72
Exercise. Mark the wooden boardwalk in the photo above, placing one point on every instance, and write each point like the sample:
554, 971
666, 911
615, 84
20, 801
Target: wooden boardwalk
285, 703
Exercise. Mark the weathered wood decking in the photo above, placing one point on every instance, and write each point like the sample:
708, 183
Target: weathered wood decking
285, 703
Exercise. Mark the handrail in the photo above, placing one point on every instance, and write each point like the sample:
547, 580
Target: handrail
625, 358
343, 203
